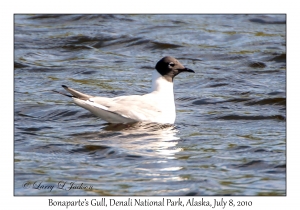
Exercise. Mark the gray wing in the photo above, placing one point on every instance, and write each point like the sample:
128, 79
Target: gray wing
134, 107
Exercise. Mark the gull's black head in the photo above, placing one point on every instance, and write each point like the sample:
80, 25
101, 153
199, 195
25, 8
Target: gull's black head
169, 67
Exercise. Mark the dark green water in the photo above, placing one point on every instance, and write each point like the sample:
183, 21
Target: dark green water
230, 132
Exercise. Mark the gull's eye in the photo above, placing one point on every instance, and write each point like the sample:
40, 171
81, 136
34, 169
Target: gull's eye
171, 64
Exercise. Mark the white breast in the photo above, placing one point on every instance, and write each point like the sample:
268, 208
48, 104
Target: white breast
162, 90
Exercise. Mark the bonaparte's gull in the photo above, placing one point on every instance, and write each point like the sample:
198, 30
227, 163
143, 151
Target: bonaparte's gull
157, 106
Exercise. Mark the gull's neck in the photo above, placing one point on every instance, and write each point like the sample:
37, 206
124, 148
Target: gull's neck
161, 85
163, 98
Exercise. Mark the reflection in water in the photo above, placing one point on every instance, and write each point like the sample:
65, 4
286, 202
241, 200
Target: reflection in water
145, 139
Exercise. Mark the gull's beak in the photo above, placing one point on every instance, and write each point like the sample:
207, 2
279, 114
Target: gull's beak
187, 70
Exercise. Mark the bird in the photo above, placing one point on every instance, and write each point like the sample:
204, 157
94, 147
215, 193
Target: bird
158, 106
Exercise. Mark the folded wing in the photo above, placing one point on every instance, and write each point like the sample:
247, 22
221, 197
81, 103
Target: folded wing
116, 110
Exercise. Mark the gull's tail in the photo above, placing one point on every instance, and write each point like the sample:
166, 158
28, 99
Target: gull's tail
75, 93
62, 93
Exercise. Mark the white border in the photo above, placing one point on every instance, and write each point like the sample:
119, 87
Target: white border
153, 6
